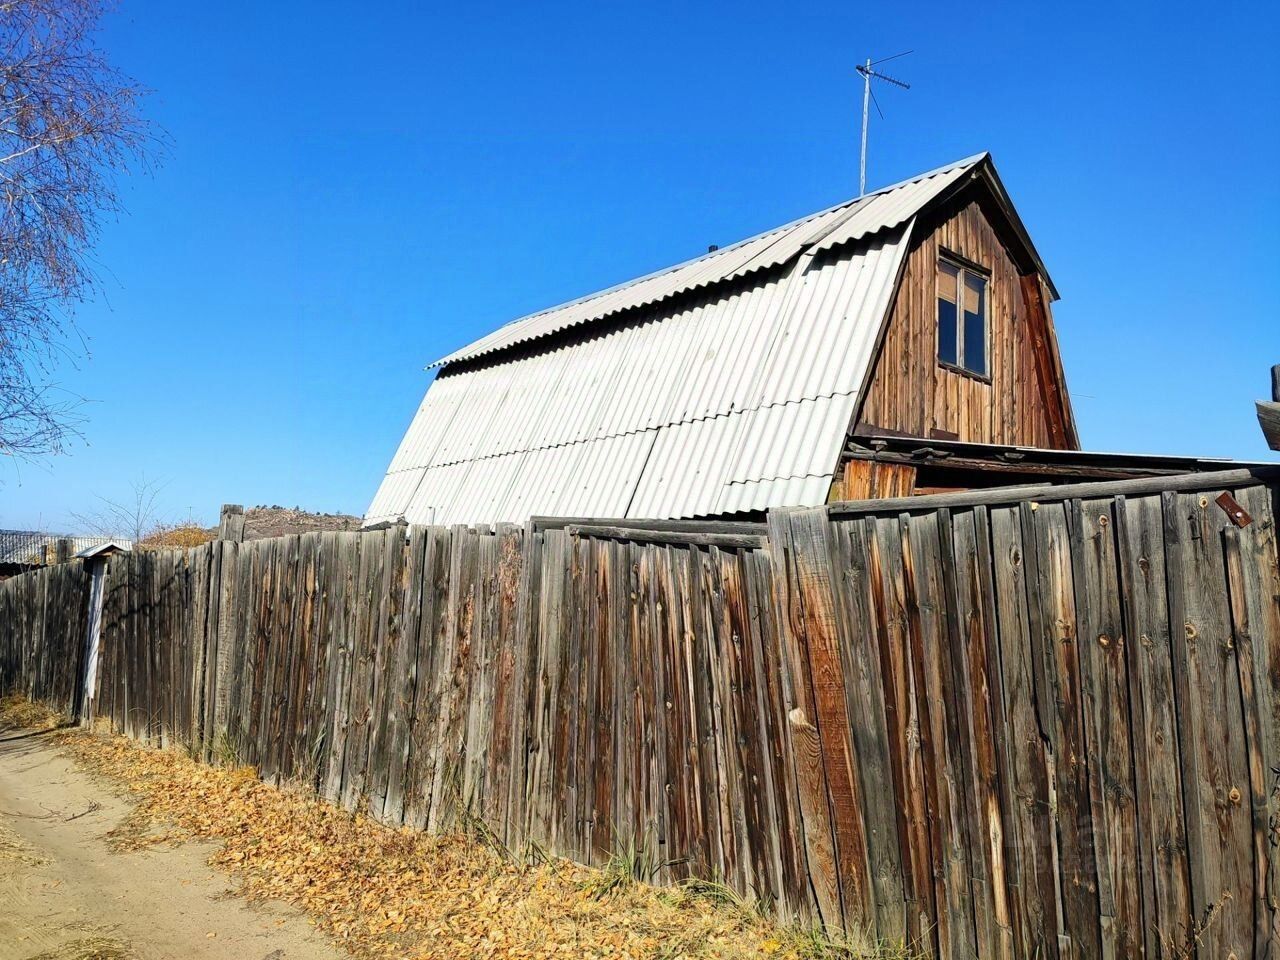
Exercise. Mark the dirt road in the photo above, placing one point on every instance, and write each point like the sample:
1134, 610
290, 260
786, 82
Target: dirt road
65, 895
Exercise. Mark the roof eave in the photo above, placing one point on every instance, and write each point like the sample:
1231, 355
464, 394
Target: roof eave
758, 262
986, 170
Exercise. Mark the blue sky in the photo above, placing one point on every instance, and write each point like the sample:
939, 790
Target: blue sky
355, 190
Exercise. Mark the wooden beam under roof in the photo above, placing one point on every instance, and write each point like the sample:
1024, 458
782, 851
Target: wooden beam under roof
953, 455
1269, 413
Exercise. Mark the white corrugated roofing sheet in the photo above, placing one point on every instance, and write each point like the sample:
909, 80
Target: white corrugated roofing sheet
844, 223
707, 397
733, 400
27, 547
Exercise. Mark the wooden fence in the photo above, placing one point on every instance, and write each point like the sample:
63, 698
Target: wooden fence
1031, 723
43, 631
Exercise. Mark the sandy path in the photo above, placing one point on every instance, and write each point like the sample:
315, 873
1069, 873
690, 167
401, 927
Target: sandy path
62, 888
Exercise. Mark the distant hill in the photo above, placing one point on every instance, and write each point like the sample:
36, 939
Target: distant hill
263, 521
259, 523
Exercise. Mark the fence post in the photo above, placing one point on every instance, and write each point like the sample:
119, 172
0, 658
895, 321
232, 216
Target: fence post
218, 625
231, 523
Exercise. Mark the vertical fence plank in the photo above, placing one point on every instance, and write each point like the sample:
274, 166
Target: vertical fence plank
506, 651
678, 739
865, 708
341, 660
1031, 835
423, 734
786, 544
896, 631
1254, 569
928, 697
849, 794
526, 658
1213, 751
402, 677
388, 665
1059, 641
1162, 869
792, 893
999, 883
456, 666
1108, 724
540, 782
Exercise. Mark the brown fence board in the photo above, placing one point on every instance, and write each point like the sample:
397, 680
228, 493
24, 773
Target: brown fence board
1219, 822
1162, 868
1078, 871
932, 699
898, 631
864, 706
1107, 722
994, 883
1028, 828
1254, 573
786, 542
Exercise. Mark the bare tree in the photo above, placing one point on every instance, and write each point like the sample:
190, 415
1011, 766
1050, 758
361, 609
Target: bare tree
134, 517
69, 126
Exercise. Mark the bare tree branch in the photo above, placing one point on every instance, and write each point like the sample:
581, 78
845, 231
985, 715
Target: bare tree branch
134, 517
71, 124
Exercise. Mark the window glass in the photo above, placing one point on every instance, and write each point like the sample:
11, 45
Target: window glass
974, 353
948, 334
962, 317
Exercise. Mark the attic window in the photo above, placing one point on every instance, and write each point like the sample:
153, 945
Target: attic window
962, 318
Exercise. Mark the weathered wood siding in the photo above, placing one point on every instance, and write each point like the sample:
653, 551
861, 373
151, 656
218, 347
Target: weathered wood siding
1030, 728
1022, 402
868, 479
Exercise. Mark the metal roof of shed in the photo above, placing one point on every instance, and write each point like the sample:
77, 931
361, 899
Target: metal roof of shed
843, 223
28, 547
700, 396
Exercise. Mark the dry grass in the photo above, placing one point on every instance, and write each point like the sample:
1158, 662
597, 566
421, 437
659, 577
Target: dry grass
13, 850
89, 948
392, 892
19, 713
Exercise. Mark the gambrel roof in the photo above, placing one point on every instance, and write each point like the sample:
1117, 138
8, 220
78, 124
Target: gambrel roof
721, 385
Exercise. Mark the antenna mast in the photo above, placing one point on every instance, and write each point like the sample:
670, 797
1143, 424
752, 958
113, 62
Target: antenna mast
867, 74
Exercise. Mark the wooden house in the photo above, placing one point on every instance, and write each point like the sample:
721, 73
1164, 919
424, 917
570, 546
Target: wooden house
834, 357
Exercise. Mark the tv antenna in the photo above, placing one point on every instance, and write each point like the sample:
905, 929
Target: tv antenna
868, 98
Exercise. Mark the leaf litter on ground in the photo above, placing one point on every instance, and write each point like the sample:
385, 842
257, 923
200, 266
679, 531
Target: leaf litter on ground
396, 892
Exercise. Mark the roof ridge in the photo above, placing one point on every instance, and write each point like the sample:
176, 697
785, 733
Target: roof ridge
851, 203
847, 210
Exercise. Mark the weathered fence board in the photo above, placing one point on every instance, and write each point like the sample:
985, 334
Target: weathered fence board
43, 618
1039, 726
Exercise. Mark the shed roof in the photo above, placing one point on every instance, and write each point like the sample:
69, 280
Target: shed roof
845, 222
27, 547
724, 384
106, 547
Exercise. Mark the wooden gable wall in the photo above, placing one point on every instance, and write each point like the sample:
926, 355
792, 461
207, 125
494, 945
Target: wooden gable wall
1024, 401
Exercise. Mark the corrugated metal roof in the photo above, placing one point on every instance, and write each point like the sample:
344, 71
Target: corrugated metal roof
28, 548
847, 222
707, 397
725, 401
